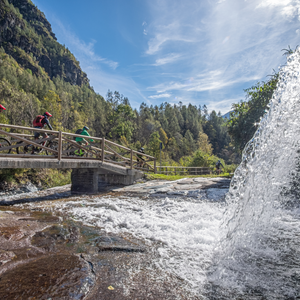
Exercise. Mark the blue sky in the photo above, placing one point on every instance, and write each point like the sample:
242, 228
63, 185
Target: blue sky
154, 51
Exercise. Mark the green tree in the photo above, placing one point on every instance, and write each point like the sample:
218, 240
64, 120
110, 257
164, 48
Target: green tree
247, 114
163, 136
154, 142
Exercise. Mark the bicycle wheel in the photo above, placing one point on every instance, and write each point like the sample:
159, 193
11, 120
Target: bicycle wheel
70, 150
74, 151
52, 145
4, 143
27, 149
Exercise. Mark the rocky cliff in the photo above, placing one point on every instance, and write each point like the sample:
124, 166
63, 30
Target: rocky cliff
26, 35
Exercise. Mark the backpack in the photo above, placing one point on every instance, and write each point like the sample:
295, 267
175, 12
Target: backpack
37, 122
78, 131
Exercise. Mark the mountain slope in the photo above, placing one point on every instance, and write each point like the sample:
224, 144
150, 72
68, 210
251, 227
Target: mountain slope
26, 35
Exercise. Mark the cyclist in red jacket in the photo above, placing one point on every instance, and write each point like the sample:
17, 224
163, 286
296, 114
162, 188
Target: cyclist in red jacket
2, 108
40, 122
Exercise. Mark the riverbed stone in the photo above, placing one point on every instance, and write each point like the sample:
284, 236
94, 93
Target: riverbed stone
52, 257
52, 277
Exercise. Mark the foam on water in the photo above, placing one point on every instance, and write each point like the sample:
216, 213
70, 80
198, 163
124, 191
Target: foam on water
184, 232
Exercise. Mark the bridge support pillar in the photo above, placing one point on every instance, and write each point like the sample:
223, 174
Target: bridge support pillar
92, 180
84, 181
115, 179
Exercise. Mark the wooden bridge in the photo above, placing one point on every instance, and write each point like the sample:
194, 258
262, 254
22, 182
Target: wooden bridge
99, 162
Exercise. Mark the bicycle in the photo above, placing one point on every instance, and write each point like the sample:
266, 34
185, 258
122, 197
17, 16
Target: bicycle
33, 149
3, 144
73, 151
218, 171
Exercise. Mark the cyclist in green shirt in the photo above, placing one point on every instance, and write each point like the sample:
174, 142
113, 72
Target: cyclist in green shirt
82, 141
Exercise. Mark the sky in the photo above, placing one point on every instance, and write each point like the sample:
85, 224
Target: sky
155, 51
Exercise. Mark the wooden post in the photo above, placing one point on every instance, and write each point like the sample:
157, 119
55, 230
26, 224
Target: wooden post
102, 152
131, 156
154, 165
59, 145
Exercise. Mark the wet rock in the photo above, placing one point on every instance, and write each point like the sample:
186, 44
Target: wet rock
186, 181
6, 256
42, 217
11, 233
185, 186
54, 236
194, 193
28, 188
115, 243
52, 277
178, 193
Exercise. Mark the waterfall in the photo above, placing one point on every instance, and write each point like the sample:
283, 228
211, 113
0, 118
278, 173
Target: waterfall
259, 254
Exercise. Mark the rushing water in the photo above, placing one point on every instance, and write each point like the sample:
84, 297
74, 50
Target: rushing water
259, 254
182, 232
246, 248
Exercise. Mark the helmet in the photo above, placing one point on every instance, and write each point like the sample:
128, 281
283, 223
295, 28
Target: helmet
47, 114
85, 128
2, 107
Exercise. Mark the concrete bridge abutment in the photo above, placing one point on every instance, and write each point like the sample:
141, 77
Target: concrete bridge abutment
93, 180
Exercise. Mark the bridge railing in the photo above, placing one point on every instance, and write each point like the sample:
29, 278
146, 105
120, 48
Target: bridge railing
14, 142
178, 170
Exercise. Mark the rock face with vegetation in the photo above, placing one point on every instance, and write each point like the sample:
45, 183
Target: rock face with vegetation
26, 35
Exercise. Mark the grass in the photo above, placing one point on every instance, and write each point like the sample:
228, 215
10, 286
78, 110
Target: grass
151, 176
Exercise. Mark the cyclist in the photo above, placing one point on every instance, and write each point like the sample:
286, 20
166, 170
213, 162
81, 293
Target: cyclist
218, 167
40, 122
82, 141
140, 157
2, 108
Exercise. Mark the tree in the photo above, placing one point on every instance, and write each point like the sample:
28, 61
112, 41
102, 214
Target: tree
203, 143
163, 136
247, 114
154, 143
289, 50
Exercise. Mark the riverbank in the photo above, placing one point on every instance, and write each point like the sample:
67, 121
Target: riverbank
49, 251
14, 181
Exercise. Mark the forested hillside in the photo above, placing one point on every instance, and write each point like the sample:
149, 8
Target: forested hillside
38, 74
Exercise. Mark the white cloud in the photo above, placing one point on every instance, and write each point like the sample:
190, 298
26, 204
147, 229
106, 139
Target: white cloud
160, 96
167, 33
289, 8
166, 60
207, 81
234, 44
266, 3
